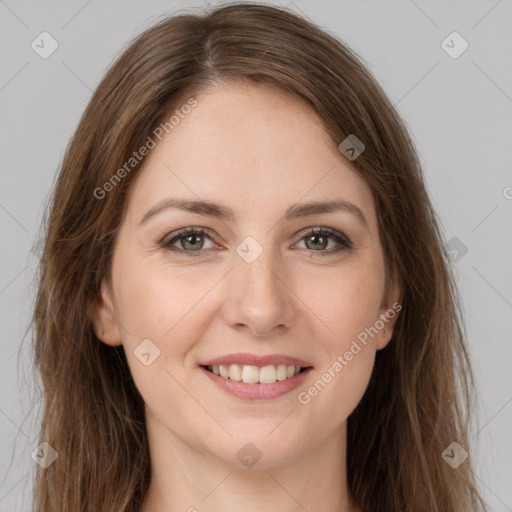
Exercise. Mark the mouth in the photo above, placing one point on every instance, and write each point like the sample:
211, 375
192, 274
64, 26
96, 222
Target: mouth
254, 374
251, 377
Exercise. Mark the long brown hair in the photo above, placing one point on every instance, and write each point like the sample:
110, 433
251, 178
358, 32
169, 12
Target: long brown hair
420, 395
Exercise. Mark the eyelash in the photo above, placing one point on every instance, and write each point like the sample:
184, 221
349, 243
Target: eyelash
324, 231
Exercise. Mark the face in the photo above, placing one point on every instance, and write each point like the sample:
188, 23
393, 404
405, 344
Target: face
249, 286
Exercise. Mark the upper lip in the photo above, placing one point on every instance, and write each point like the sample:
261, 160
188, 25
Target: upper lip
255, 360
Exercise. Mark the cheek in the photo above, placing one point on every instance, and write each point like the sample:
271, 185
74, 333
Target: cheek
333, 396
157, 303
163, 309
342, 379
172, 309
347, 302
346, 299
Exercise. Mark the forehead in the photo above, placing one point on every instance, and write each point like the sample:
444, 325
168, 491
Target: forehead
247, 145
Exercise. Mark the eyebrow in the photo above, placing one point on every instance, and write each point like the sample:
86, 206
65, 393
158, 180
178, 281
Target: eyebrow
222, 212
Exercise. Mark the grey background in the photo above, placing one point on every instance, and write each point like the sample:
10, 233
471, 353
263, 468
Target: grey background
458, 112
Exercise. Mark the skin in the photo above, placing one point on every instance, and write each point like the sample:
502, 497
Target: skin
257, 151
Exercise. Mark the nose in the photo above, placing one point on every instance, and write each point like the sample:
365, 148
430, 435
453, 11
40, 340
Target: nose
260, 298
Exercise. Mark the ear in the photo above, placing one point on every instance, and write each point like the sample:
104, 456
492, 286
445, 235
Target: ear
389, 311
102, 315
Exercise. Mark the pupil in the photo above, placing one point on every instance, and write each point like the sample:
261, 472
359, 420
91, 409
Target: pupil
316, 244
192, 237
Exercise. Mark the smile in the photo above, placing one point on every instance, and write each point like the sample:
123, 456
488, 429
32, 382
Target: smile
251, 374
256, 376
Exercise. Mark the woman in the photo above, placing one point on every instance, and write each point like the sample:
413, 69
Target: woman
244, 299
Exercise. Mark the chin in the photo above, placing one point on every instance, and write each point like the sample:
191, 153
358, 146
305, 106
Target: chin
258, 449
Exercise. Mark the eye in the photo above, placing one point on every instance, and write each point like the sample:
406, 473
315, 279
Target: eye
317, 240
191, 241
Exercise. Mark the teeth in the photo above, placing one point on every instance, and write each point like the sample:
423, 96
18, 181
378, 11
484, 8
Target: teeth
268, 374
281, 372
235, 372
224, 371
250, 374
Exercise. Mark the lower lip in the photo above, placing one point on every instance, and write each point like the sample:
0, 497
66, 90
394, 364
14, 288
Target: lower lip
258, 391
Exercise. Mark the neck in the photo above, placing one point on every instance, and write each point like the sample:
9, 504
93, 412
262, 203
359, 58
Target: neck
188, 479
